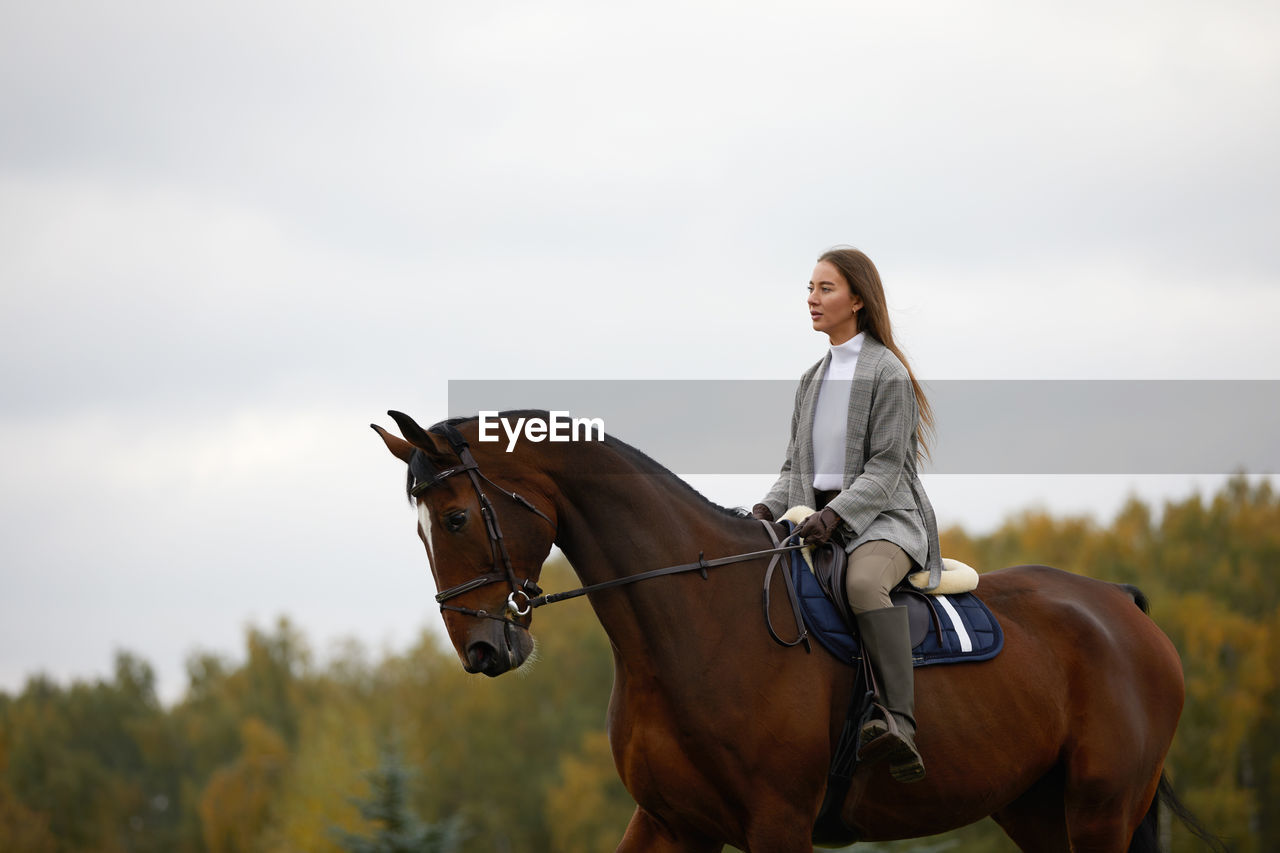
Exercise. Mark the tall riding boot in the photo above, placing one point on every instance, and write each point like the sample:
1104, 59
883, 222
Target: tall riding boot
886, 641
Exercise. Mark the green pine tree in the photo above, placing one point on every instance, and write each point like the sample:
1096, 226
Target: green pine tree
398, 830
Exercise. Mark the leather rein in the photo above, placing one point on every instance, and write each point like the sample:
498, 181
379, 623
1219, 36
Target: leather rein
525, 595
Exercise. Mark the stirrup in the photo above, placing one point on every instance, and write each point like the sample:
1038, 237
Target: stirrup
882, 739
877, 725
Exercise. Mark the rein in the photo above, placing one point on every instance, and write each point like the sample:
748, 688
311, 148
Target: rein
701, 566
534, 597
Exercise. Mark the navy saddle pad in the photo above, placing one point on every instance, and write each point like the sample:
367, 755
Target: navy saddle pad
969, 631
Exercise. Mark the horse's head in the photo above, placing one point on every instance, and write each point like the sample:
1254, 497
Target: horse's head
485, 542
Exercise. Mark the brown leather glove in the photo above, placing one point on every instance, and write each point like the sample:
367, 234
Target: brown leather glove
761, 512
817, 528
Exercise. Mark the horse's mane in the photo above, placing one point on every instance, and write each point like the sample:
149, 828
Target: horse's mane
420, 467
655, 468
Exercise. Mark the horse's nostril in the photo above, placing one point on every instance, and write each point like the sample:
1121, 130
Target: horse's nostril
479, 654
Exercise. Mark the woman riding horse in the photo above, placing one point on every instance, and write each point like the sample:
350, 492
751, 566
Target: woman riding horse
856, 434
723, 735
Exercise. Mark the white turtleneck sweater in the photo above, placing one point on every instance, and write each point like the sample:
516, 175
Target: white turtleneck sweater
831, 417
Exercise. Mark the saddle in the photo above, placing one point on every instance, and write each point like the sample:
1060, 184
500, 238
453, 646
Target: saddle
949, 624
831, 564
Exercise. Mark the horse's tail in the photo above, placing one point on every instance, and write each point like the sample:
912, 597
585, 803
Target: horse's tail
1147, 837
1139, 597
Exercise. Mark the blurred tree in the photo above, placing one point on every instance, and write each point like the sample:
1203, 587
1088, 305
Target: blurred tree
1228, 662
337, 738
399, 829
236, 804
77, 757
21, 829
588, 809
209, 726
958, 545
205, 727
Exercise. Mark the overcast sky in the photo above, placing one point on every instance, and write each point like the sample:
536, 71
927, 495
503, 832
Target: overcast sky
232, 236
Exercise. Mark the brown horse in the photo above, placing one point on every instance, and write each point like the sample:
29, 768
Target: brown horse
724, 736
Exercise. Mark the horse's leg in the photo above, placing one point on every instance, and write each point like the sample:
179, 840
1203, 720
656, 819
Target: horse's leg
1094, 817
779, 828
1102, 814
1114, 759
795, 841
1036, 821
645, 833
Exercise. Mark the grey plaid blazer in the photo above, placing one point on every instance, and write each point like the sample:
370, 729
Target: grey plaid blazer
882, 496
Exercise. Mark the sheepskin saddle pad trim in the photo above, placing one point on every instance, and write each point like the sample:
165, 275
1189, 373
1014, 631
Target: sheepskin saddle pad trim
959, 628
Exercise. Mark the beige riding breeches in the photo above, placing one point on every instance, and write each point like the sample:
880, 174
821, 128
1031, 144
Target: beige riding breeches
875, 567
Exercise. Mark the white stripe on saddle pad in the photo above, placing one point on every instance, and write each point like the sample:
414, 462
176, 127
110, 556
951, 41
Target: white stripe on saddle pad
966, 644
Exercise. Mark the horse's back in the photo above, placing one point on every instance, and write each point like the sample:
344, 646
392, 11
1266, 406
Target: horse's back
1094, 629
1058, 606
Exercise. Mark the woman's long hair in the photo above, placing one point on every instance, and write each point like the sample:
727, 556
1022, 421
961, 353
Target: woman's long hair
873, 318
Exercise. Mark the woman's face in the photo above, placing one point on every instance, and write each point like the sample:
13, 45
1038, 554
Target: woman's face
832, 304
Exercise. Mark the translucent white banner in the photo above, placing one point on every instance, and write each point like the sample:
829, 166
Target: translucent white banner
983, 427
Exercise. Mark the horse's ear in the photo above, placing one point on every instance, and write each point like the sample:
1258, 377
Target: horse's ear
419, 437
399, 448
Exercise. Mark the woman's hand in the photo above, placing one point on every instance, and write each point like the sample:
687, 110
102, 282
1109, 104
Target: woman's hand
817, 528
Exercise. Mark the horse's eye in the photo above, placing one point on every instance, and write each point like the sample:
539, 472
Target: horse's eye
453, 521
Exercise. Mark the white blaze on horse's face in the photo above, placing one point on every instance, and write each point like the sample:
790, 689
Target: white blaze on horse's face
424, 524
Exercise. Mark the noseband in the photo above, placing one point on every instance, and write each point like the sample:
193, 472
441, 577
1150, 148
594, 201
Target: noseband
524, 589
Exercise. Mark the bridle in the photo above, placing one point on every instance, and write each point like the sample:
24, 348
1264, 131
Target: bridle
529, 591
525, 588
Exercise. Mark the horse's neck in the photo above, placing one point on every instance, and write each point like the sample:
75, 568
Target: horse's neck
616, 526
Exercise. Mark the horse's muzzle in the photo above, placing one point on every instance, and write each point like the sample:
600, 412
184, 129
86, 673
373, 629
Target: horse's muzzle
502, 650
